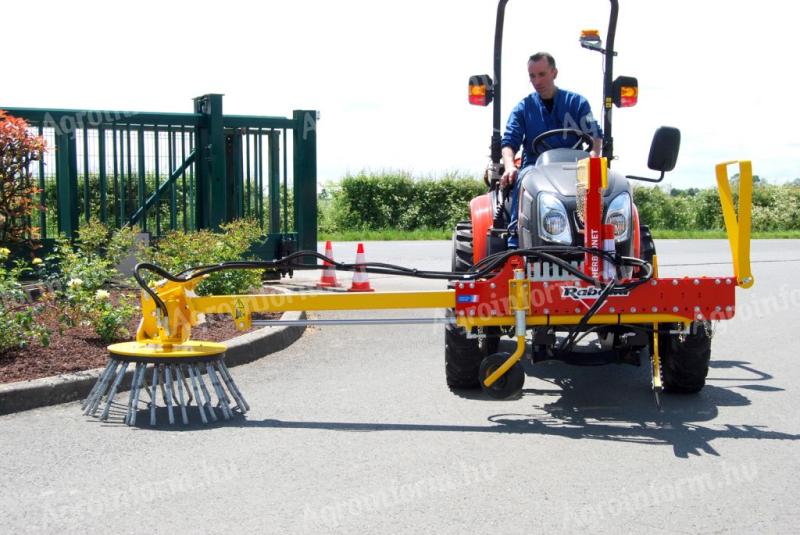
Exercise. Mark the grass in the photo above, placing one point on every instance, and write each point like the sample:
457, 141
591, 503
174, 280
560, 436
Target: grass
446, 234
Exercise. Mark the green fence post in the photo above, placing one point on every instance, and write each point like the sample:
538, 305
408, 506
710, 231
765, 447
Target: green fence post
67, 182
274, 181
305, 178
212, 177
101, 141
235, 166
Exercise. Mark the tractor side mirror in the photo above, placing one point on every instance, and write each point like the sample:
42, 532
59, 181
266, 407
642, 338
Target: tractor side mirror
664, 149
663, 153
481, 90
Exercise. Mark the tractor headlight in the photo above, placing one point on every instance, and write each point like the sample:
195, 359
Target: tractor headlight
619, 215
553, 222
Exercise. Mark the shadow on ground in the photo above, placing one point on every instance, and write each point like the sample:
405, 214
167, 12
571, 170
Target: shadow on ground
612, 402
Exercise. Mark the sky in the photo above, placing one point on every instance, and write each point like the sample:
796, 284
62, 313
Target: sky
390, 78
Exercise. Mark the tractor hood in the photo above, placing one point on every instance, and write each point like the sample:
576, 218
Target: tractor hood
558, 167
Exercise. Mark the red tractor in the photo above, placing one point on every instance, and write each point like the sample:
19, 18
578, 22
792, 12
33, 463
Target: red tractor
552, 216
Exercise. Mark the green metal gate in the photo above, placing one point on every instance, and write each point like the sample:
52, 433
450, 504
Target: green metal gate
170, 171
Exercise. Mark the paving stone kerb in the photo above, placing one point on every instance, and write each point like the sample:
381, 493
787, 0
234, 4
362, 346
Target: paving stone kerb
26, 395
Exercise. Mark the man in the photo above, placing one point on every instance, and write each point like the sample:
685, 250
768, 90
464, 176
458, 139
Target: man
547, 108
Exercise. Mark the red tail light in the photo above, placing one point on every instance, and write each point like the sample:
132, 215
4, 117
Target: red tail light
481, 92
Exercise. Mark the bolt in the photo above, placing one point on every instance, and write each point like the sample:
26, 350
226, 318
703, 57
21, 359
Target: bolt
675, 309
653, 282
545, 284
494, 313
728, 308
699, 316
718, 308
472, 285
577, 310
697, 308
717, 281
612, 310
492, 286
654, 309
460, 312
546, 311
633, 309
747, 280
696, 282
727, 281
461, 285
472, 312
674, 282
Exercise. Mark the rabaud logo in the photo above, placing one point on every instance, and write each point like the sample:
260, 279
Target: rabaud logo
579, 293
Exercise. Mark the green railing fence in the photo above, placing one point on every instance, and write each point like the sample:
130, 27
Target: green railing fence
168, 171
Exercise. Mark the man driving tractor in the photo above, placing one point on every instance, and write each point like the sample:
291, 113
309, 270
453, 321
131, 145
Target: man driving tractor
547, 108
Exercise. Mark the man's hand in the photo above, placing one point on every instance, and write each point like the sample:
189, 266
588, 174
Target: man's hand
509, 176
510, 173
597, 148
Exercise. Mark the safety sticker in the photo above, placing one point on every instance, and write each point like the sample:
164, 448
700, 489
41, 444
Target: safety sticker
467, 299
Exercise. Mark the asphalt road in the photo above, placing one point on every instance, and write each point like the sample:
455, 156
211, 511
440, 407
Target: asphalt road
352, 430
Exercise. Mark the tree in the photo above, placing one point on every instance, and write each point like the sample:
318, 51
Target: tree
18, 149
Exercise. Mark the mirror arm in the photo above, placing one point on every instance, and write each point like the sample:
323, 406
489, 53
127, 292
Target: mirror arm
659, 179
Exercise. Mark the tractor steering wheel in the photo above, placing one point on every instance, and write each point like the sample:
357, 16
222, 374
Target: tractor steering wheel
585, 141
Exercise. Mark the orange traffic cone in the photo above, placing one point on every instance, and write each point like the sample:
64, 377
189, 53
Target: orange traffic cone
360, 281
328, 279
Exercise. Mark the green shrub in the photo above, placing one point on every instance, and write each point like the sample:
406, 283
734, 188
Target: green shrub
18, 325
178, 251
109, 319
398, 201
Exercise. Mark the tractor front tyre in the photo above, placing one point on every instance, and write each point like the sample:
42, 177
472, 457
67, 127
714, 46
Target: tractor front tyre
462, 262
507, 386
685, 357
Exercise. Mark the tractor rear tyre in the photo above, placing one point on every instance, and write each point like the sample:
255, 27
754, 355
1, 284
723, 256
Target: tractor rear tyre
685, 358
462, 247
510, 384
647, 247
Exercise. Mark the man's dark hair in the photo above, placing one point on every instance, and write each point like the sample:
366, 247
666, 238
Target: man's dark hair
544, 55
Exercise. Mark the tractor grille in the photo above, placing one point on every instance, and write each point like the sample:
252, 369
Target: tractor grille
547, 271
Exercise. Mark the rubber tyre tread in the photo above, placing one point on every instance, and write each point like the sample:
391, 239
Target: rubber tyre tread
684, 363
462, 357
509, 385
462, 247
647, 246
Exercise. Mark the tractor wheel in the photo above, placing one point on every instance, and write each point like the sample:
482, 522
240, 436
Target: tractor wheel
509, 385
647, 247
462, 247
462, 262
685, 358
462, 356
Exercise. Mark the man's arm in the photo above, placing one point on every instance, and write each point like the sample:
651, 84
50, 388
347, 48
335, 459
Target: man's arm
513, 137
510, 171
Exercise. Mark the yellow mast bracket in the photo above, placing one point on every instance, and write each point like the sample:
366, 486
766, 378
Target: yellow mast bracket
737, 221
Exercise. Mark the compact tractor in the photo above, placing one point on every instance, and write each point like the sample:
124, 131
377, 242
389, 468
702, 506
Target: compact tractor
585, 265
561, 219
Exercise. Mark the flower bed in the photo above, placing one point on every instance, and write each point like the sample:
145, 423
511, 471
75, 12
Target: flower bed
79, 347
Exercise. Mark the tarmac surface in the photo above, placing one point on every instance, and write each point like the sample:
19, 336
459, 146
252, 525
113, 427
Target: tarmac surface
353, 430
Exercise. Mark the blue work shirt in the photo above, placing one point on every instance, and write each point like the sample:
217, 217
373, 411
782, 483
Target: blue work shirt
530, 118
